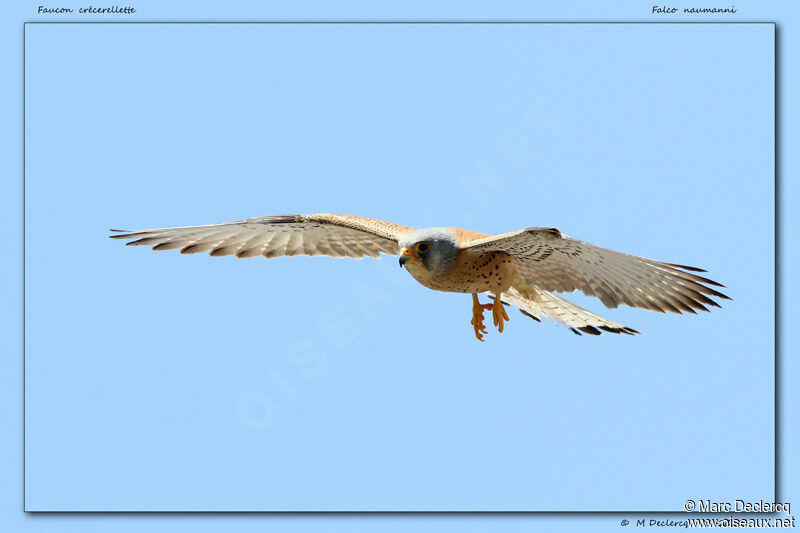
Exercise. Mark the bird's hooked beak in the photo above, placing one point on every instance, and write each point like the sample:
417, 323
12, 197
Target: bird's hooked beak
406, 255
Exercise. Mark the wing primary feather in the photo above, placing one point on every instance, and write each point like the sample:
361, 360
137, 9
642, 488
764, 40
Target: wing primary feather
170, 245
701, 297
684, 267
139, 242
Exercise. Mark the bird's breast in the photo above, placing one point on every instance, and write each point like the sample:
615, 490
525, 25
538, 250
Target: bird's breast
470, 272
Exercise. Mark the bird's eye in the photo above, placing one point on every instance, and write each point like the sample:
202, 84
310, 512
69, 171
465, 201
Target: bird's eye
421, 247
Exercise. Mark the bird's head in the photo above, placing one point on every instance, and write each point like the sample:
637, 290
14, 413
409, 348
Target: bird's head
432, 249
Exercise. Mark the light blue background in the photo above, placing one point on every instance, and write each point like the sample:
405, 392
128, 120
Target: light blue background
161, 382
581, 11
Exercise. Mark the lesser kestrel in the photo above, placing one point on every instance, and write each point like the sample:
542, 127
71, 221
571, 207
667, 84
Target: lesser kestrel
524, 268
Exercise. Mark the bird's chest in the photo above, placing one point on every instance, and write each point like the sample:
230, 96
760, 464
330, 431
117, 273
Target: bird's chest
490, 272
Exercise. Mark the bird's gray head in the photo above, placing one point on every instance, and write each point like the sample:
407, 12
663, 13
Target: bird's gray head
433, 248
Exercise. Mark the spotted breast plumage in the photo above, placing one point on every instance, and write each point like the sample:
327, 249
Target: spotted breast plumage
525, 268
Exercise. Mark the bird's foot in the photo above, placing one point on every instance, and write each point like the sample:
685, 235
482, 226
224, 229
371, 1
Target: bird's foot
477, 316
499, 313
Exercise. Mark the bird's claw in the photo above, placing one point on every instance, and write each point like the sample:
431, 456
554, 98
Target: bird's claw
477, 323
498, 315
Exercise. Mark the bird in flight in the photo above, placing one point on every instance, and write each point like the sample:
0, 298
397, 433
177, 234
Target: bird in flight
524, 268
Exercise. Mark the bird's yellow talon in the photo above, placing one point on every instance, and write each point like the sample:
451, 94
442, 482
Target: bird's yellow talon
477, 317
499, 315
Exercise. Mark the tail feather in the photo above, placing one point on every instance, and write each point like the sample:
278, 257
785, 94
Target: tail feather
537, 304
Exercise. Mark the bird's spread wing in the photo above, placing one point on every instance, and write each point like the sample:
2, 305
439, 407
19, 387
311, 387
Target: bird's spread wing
553, 262
278, 235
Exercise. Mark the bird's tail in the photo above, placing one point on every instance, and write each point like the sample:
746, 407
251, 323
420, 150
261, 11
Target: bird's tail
536, 303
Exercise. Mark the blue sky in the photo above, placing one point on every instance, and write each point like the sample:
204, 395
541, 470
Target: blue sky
162, 382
